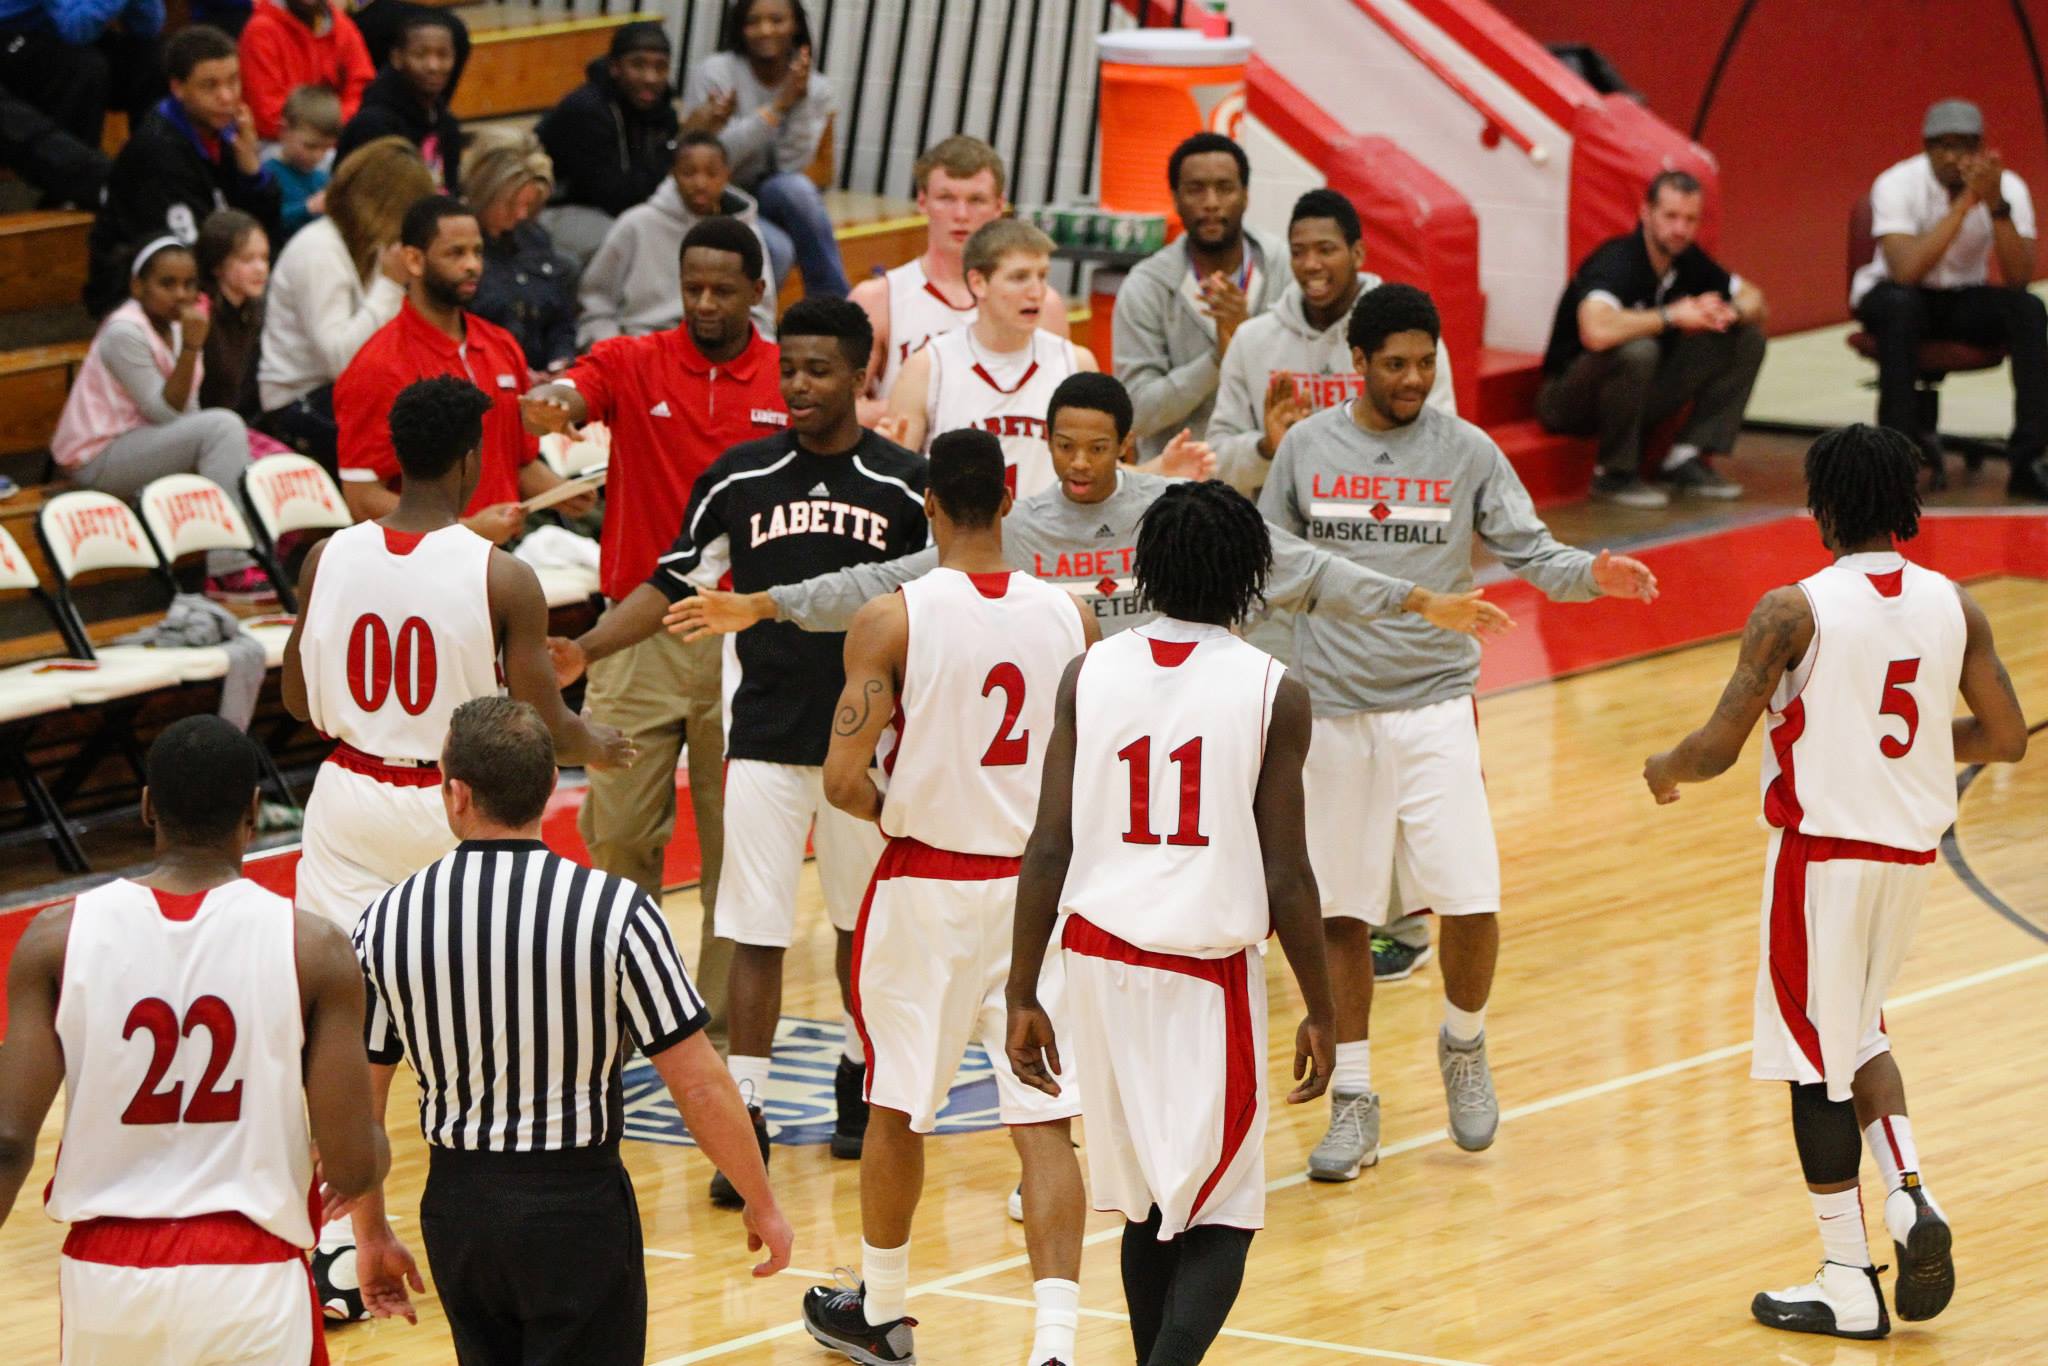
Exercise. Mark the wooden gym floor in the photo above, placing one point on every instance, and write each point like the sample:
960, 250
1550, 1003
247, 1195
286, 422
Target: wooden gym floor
1642, 1187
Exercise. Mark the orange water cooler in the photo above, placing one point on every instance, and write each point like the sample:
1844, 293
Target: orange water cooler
1159, 87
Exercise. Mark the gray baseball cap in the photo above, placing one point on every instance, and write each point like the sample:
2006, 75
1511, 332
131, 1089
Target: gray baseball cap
1952, 118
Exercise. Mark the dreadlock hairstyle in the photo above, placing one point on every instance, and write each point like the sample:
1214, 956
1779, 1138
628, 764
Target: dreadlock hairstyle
1203, 554
1862, 482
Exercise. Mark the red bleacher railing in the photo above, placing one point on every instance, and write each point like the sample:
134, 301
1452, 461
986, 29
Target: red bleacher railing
1497, 124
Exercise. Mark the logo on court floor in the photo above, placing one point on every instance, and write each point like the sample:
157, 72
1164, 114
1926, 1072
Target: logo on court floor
800, 1106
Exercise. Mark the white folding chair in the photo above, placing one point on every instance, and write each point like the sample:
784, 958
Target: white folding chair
287, 493
189, 514
86, 533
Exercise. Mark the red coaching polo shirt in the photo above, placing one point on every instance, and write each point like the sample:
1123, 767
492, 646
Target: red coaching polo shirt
410, 348
671, 413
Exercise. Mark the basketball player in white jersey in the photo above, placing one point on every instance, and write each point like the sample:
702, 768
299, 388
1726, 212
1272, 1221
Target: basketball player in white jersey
1170, 841
1859, 666
963, 664
406, 618
207, 1036
959, 186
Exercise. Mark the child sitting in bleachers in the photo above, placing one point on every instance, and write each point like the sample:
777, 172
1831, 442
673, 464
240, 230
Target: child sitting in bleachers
312, 123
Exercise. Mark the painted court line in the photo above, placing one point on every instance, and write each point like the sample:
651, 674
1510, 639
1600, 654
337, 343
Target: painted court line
946, 1284
1245, 1334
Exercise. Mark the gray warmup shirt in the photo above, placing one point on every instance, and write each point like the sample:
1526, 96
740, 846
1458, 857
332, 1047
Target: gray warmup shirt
1406, 502
1087, 548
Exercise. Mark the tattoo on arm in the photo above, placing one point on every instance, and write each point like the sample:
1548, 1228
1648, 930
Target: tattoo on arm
851, 720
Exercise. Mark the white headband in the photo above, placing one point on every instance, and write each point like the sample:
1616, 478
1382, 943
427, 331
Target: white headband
142, 258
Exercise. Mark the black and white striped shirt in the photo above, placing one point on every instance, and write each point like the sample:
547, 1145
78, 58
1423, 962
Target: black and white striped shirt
511, 978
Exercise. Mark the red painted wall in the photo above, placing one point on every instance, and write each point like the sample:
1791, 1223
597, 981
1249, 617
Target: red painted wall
1817, 98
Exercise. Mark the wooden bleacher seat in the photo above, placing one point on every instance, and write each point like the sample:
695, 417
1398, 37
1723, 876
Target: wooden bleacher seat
42, 258
33, 383
522, 59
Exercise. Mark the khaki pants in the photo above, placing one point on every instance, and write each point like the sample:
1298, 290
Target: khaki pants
665, 696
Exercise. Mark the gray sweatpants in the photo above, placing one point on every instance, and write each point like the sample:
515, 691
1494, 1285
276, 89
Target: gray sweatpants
211, 442
1619, 394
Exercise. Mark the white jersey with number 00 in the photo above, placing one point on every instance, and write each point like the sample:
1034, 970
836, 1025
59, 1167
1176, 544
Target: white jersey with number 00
397, 636
183, 1040
1859, 745
917, 313
980, 677
1005, 394
1170, 726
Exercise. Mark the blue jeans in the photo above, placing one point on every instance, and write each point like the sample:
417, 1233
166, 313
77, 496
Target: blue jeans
799, 233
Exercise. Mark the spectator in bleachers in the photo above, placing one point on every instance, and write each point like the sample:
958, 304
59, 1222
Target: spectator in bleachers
770, 109
380, 20
1648, 324
194, 153
234, 269
1295, 358
133, 414
633, 285
72, 60
410, 99
612, 139
1939, 218
65, 172
1181, 307
335, 283
528, 288
311, 124
442, 249
292, 43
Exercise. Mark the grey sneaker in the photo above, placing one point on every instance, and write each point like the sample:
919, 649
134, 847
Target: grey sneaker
1394, 961
1353, 1142
1468, 1091
1697, 479
1628, 491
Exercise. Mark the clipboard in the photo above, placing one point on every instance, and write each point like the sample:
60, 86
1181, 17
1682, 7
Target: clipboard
587, 482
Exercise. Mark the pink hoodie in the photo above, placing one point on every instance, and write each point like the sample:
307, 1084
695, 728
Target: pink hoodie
98, 408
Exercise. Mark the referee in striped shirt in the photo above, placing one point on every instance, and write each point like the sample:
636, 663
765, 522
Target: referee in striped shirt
512, 980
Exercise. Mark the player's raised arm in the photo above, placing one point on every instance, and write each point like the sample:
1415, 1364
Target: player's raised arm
1278, 809
1309, 579
1780, 630
875, 651
32, 1059
520, 613
1033, 1049
293, 679
1995, 731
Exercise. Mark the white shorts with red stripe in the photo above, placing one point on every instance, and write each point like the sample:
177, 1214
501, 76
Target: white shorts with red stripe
369, 826
931, 957
1838, 916
1171, 1053
771, 811
211, 1291
1397, 798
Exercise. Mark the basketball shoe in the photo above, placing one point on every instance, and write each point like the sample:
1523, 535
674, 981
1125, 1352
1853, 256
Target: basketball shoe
1842, 1301
1394, 961
1927, 1273
1353, 1141
1468, 1091
837, 1317
723, 1193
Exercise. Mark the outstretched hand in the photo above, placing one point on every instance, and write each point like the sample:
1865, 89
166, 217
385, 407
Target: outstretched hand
1619, 576
710, 612
1468, 614
1186, 458
384, 1268
568, 658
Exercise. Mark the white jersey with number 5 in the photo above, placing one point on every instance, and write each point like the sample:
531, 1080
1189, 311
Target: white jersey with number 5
1859, 745
183, 1036
1170, 727
1006, 395
397, 636
980, 676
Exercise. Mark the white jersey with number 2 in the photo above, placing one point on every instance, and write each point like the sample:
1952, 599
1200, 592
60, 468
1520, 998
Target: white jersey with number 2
183, 1040
1860, 746
1170, 724
397, 636
982, 671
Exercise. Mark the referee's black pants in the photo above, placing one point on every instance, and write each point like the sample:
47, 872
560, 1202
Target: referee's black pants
537, 1257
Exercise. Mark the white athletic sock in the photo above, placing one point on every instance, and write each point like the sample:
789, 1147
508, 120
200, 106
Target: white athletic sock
1059, 1314
885, 1272
1840, 1216
852, 1049
1890, 1140
750, 1075
1463, 1025
1354, 1068
1680, 453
